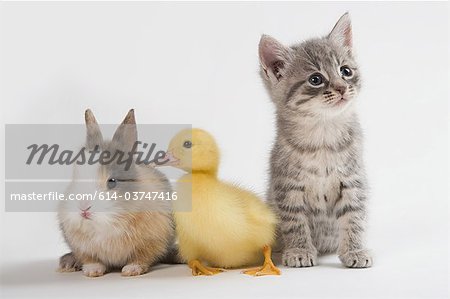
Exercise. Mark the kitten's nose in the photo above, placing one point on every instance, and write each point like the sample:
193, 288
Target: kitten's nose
341, 89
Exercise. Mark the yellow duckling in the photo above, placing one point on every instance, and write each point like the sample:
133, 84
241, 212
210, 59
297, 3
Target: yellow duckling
228, 227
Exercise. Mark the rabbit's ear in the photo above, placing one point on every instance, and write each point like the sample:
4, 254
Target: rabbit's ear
94, 136
126, 134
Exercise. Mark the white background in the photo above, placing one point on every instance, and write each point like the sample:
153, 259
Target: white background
197, 63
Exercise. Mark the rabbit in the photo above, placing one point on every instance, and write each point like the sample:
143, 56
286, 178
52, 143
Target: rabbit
131, 235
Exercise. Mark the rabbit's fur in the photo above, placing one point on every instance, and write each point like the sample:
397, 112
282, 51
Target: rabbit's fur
117, 234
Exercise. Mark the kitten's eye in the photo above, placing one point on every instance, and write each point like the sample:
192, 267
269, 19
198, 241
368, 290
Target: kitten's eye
346, 71
187, 144
315, 79
112, 183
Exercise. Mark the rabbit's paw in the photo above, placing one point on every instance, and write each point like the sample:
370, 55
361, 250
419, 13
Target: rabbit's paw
68, 263
356, 259
299, 257
94, 270
134, 270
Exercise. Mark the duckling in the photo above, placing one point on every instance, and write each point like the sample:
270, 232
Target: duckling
228, 226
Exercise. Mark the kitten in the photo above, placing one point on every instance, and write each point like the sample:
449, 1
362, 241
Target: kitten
318, 184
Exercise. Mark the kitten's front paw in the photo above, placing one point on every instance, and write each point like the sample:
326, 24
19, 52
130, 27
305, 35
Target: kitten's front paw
133, 270
68, 263
94, 270
297, 257
357, 259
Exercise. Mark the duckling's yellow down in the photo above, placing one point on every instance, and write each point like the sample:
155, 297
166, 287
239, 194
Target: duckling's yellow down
228, 226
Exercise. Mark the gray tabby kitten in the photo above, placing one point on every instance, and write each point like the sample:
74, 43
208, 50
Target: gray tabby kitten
318, 184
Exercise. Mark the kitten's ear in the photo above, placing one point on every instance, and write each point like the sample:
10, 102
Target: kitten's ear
126, 134
273, 57
93, 135
342, 32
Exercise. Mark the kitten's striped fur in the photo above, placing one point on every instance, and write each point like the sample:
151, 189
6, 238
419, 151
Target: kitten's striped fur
318, 184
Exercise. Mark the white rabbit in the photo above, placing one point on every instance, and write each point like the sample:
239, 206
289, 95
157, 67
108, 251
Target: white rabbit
130, 235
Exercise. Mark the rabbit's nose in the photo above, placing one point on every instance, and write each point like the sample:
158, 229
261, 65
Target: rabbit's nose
85, 206
85, 212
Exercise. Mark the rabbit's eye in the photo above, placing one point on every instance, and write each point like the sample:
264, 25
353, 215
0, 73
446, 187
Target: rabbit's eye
187, 144
112, 183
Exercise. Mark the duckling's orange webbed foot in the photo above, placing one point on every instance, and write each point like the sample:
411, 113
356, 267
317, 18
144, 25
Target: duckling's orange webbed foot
199, 269
268, 268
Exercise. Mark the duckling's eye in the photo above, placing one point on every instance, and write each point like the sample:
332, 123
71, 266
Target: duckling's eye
187, 144
112, 183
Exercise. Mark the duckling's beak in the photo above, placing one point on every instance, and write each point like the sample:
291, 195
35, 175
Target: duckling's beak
170, 159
